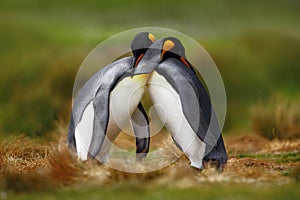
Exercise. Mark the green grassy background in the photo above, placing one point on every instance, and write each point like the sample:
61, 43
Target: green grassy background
255, 44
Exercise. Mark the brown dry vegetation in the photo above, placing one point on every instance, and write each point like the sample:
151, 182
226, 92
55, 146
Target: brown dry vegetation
278, 118
26, 164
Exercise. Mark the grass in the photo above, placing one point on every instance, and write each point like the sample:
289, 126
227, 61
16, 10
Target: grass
296, 173
211, 191
20, 154
280, 158
30, 168
277, 118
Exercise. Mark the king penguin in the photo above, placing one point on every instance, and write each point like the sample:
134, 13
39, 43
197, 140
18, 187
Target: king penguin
105, 104
191, 119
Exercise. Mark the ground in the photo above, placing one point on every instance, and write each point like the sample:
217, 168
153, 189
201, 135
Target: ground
256, 166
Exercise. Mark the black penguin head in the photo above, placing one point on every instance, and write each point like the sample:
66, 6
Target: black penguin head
173, 48
150, 59
159, 51
139, 45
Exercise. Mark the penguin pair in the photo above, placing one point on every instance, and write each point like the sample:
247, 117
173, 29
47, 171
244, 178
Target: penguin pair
172, 83
107, 102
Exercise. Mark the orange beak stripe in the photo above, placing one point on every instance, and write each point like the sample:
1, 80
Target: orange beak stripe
138, 60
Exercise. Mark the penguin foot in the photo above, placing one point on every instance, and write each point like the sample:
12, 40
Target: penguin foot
213, 163
217, 156
215, 159
141, 156
141, 151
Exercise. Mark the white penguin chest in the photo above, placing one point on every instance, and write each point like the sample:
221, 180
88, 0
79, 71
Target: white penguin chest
163, 94
124, 99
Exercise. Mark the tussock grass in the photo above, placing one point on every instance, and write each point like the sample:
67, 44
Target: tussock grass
278, 118
21, 154
23, 164
31, 165
28, 165
64, 167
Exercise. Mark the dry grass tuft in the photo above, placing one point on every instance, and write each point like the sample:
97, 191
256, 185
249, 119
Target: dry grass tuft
248, 144
23, 163
64, 167
279, 118
21, 154
281, 146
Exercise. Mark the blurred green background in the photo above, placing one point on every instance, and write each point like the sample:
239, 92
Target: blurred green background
255, 44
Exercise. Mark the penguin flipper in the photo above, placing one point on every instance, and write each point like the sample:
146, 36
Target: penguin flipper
101, 117
71, 143
140, 126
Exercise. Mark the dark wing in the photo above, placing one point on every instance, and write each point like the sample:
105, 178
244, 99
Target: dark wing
71, 134
116, 71
97, 89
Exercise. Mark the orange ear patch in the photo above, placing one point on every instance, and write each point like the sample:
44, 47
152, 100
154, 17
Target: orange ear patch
151, 37
168, 44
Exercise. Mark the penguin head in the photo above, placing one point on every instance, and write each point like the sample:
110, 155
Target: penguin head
152, 57
173, 48
139, 45
159, 51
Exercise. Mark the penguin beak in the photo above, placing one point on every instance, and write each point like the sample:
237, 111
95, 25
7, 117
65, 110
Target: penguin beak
147, 64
